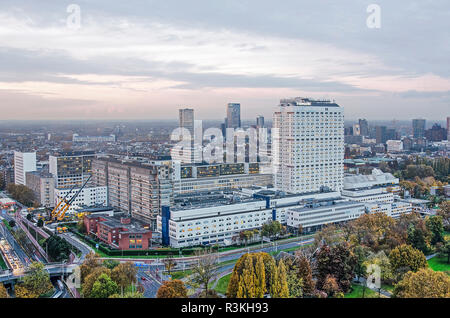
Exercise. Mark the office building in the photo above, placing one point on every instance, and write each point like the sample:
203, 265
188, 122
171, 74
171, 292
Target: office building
218, 218
363, 127
418, 126
260, 122
97, 139
233, 115
436, 133
43, 186
215, 177
308, 145
394, 145
23, 163
186, 120
138, 188
381, 134
71, 169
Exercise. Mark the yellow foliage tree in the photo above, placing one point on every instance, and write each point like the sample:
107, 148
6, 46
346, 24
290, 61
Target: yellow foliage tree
424, 283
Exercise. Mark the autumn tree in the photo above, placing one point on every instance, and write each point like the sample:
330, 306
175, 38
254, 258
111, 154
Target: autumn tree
268, 264
104, 287
91, 262
405, 258
425, 283
444, 212
204, 270
283, 291
247, 280
172, 289
330, 286
135, 294
382, 261
371, 230
3, 292
338, 261
304, 272
169, 264
91, 278
124, 275
326, 236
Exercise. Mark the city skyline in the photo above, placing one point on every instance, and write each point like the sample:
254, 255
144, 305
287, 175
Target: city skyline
135, 61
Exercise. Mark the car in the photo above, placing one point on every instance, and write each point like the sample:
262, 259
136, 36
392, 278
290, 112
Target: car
143, 278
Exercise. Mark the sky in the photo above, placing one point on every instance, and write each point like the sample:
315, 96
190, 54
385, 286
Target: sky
146, 59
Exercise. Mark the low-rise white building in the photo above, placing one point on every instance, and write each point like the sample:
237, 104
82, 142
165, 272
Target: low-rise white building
88, 197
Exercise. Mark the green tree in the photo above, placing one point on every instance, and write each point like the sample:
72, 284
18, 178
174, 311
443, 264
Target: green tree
405, 258
435, 225
110, 263
37, 279
128, 295
425, 283
40, 223
89, 281
444, 250
104, 287
57, 248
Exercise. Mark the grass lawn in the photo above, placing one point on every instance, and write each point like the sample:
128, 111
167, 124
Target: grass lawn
222, 284
357, 292
388, 288
181, 274
3, 265
439, 264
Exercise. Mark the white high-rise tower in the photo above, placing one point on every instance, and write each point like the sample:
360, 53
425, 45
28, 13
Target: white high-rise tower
308, 145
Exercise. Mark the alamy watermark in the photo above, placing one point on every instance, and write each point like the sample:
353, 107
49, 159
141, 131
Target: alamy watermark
73, 21
374, 19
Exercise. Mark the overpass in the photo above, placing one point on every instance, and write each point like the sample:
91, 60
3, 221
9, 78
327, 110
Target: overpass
54, 269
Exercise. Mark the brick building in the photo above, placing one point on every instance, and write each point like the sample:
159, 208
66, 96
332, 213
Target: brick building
119, 232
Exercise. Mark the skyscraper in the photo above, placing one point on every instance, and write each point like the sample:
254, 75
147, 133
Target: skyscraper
186, 120
260, 121
308, 145
448, 128
418, 126
233, 115
23, 162
381, 134
363, 127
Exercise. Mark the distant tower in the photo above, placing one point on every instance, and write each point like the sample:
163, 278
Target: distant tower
260, 121
233, 115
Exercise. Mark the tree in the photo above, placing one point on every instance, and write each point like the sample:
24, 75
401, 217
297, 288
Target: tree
128, 295
260, 278
172, 289
371, 230
282, 276
271, 229
425, 283
21, 193
124, 275
247, 280
110, 263
405, 258
382, 260
204, 270
29, 216
326, 236
3, 292
22, 292
255, 259
37, 279
12, 223
169, 264
295, 285
90, 263
40, 223
91, 278
57, 248
419, 236
338, 261
304, 272
444, 212
331, 286
104, 287
435, 225
444, 250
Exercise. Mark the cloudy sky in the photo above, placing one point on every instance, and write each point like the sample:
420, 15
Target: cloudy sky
145, 59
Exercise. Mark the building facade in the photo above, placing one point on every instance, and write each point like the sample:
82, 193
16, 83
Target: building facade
233, 115
23, 162
71, 169
308, 145
43, 186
